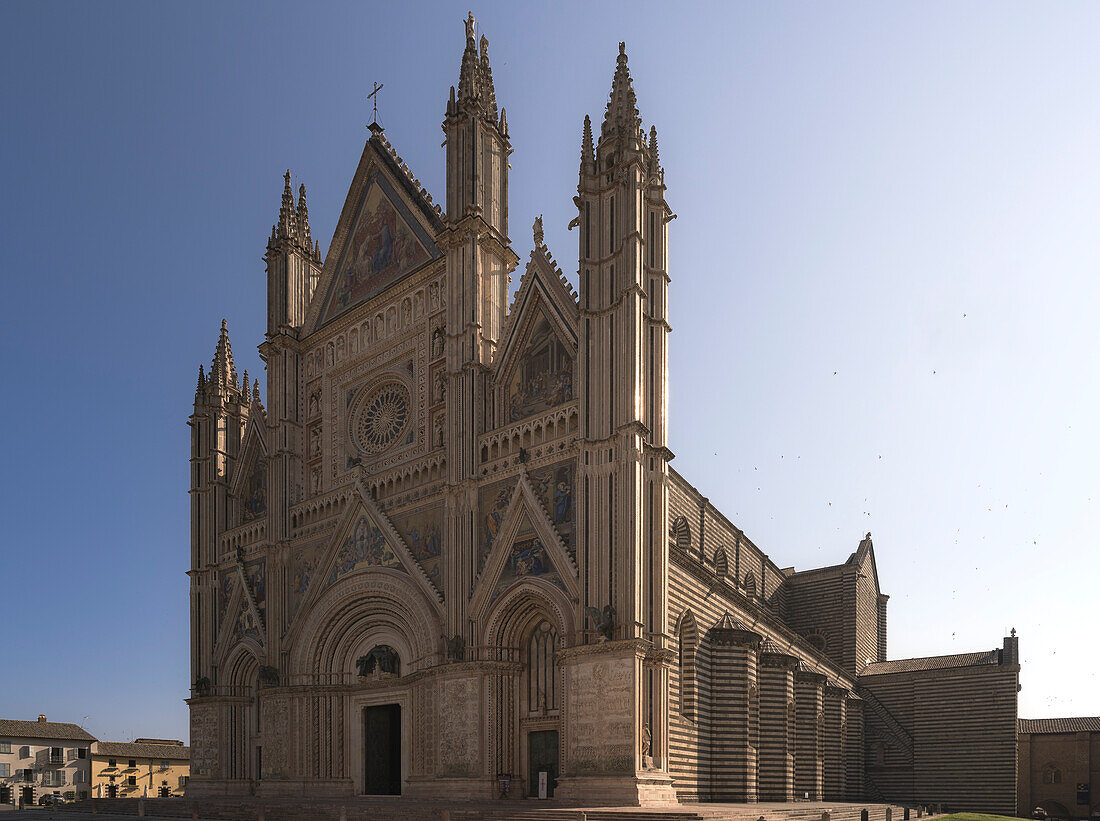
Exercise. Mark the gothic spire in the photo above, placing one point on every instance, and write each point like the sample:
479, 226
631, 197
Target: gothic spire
489, 93
223, 374
588, 153
622, 106
200, 388
654, 151
468, 74
475, 80
303, 218
284, 229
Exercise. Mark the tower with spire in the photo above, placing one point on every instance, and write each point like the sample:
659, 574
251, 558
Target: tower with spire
622, 368
479, 260
217, 422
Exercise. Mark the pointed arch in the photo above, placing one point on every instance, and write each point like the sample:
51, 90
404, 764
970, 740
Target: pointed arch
680, 533
358, 612
750, 585
721, 562
687, 633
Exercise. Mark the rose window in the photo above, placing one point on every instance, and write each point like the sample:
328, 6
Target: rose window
381, 418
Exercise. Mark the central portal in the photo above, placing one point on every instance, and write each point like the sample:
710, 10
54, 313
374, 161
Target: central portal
542, 756
382, 750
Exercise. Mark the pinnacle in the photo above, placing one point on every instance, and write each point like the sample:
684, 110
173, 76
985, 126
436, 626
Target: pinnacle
475, 78
223, 374
588, 153
285, 227
654, 151
622, 106
303, 216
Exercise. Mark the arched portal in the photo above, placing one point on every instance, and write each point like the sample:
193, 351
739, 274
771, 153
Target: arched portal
527, 627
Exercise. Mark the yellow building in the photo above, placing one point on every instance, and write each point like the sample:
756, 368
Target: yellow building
153, 767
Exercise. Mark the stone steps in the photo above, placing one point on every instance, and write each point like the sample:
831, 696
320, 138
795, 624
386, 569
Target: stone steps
373, 809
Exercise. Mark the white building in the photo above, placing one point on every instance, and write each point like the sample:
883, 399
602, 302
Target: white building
42, 757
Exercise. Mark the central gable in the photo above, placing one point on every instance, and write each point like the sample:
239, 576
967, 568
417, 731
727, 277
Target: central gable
385, 243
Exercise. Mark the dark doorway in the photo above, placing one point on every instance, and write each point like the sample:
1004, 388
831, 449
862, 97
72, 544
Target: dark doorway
28, 796
112, 790
382, 750
5, 795
542, 756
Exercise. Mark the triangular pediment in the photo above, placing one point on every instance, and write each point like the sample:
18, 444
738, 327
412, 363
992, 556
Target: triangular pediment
542, 288
249, 483
365, 540
526, 549
242, 624
536, 372
385, 232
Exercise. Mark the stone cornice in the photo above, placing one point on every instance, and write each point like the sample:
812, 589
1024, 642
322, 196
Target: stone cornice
637, 647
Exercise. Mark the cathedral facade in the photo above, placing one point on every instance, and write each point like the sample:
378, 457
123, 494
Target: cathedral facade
448, 554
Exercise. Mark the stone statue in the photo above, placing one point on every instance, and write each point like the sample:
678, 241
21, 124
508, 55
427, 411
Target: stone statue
202, 686
603, 621
456, 647
382, 658
269, 676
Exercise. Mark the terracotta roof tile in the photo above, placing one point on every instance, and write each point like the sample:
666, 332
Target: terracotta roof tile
43, 729
131, 749
1090, 724
882, 668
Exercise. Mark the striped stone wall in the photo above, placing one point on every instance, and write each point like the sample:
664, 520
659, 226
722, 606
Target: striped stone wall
945, 736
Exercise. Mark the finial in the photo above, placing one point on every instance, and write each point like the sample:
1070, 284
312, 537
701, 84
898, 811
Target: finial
1012, 632
256, 392
303, 217
222, 372
654, 152
502, 126
285, 224
225, 326
537, 228
588, 153
202, 381
470, 26
622, 106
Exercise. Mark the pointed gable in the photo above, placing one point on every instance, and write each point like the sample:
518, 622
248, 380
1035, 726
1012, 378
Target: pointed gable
249, 485
535, 366
364, 547
386, 232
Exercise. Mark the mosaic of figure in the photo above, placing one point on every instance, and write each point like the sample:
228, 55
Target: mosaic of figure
365, 548
255, 573
543, 377
554, 487
303, 565
494, 504
422, 532
383, 248
254, 494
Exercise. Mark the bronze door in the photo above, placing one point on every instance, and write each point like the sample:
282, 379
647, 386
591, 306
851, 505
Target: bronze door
382, 750
542, 756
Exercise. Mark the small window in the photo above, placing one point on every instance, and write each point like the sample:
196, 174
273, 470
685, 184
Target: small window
5, 770
132, 781
82, 752
5, 746
111, 762
164, 764
133, 763
25, 751
28, 775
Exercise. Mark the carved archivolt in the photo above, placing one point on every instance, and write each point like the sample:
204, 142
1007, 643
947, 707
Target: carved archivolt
513, 613
362, 607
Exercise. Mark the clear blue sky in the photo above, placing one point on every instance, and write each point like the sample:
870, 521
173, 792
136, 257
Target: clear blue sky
884, 289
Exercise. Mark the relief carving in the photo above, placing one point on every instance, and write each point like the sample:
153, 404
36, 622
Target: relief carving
204, 740
460, 720
602, 722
